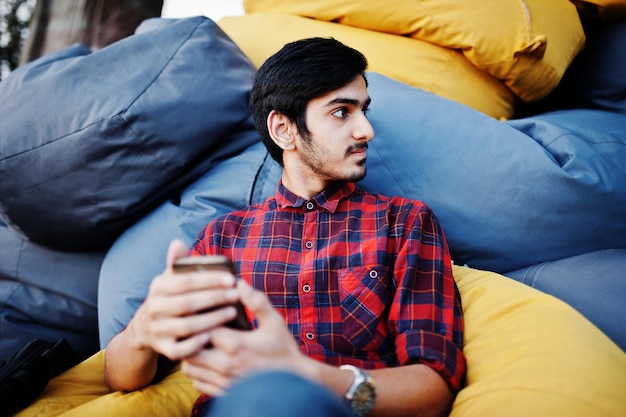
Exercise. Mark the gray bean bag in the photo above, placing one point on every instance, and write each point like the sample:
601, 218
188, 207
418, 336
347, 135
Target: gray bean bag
92, 141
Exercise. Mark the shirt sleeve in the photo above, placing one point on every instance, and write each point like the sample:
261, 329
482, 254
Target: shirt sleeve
202, 244
426, 312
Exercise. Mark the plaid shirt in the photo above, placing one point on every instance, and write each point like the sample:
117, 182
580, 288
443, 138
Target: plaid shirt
359, 278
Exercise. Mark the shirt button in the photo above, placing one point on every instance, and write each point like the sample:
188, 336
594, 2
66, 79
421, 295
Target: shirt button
310, 336
309, 244
373, 274
306, 288
310, 205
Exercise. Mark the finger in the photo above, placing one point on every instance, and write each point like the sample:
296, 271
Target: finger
170, 283
177, 328
205, 378
192, 303
231, 343
258, 304
209, 388
176, 249
179, 349
210, 363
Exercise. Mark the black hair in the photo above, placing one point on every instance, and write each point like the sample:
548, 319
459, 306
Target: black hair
301, 71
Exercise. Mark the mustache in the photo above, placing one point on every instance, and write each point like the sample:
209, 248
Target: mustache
357, 147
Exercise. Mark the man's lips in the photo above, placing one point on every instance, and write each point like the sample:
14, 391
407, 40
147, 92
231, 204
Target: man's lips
358, 150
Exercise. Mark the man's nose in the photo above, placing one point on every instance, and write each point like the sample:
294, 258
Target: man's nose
364, 130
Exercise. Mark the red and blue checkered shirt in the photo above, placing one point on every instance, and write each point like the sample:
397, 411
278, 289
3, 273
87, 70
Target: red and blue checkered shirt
359, 278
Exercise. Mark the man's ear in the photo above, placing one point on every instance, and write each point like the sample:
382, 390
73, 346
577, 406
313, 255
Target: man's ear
281, 130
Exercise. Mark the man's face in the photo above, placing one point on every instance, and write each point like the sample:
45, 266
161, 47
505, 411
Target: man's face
336, 148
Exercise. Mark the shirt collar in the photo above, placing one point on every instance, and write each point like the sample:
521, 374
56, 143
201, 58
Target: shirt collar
328, 199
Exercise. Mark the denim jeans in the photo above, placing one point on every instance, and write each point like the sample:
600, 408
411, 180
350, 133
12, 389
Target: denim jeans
277, 394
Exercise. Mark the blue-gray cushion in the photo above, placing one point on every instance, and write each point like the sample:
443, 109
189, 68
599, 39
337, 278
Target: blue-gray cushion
47, 294
91, 141
597, 77
508, 194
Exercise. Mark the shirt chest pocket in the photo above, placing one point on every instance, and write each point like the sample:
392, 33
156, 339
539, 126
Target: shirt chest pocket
365, 294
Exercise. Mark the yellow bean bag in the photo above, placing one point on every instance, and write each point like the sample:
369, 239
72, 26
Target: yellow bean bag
528, 354
443, 71
526, 43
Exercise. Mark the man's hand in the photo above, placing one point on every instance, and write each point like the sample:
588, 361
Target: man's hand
235, 353
174, 319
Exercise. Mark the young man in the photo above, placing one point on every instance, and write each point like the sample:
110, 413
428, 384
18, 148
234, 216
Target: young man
351, 292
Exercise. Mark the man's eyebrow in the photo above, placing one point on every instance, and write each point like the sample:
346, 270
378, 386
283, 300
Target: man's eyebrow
350, 101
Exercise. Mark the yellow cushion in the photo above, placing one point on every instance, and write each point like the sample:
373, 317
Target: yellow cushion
82, 392
528, 354
442, 71
527, 43
602, 9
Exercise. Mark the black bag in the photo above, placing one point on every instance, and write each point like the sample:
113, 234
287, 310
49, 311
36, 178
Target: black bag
27, 372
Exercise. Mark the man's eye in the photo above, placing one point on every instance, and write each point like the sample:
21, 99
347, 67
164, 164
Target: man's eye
342, 112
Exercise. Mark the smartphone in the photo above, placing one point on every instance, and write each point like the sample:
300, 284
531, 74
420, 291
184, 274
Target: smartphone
214, 262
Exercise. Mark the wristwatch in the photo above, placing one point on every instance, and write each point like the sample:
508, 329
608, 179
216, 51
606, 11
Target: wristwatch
361, 394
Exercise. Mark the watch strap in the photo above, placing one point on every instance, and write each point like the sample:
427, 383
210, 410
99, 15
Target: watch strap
361, 394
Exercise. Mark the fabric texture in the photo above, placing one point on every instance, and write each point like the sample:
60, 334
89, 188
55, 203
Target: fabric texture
47, 294
593, 283
358, 278
530, 53
527, 354
78, 168
82, 391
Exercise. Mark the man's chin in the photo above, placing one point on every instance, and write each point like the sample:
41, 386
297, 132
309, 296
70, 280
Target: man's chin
357, 176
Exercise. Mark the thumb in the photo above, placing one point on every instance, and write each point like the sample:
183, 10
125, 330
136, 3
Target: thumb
177, 249
257, 303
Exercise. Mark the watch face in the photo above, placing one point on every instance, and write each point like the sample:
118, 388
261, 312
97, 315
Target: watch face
363, 399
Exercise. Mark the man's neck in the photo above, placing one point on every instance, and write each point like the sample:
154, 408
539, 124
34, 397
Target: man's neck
304, 187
